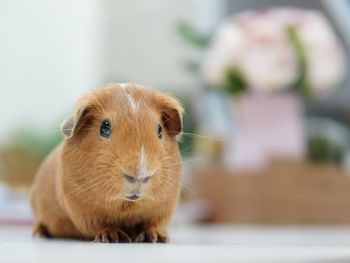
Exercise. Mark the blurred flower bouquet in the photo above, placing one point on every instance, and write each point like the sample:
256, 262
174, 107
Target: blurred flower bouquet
275, 50
267, 60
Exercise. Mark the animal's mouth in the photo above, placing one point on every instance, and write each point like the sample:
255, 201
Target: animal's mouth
133, 197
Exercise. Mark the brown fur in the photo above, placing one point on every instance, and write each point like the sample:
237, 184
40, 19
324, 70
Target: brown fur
79, 191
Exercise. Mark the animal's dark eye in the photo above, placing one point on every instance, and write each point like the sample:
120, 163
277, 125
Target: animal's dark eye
159, 132
105, 129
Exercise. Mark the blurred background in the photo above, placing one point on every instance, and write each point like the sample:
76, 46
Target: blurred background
265, 85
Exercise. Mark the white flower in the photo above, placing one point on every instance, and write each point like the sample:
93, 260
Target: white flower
269, 67
326, 63
224, 52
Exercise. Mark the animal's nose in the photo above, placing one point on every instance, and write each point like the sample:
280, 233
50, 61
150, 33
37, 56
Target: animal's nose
133, 179
130, 178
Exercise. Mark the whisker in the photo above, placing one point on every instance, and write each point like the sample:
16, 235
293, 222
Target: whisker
72, 194
204, 137
169, 180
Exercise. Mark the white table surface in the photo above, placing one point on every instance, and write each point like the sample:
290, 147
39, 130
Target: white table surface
189, 244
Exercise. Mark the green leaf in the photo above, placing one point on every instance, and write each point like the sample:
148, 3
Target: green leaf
321, 149
190, 35
301, 83
234, 82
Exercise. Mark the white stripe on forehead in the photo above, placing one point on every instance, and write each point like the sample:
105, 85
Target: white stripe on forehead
123, 85
133, 104
143, 164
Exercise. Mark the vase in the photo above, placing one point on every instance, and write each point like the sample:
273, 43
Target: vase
266, 127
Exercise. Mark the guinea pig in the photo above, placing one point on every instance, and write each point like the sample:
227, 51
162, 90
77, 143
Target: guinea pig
116, 176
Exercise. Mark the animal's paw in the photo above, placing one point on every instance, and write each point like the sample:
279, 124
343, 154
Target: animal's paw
40, 230
152, 235
112, 235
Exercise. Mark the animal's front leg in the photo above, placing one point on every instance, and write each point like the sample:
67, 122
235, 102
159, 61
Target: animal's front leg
112, 235
152, 235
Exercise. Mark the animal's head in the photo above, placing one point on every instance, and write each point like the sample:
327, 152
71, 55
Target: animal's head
121, 143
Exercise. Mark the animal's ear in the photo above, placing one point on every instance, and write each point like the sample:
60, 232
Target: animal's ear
73, 124
171, 114
67, 126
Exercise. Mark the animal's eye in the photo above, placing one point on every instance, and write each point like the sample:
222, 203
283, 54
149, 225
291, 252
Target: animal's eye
105, 129
159, 132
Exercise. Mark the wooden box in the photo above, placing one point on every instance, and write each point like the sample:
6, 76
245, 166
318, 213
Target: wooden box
283, 193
